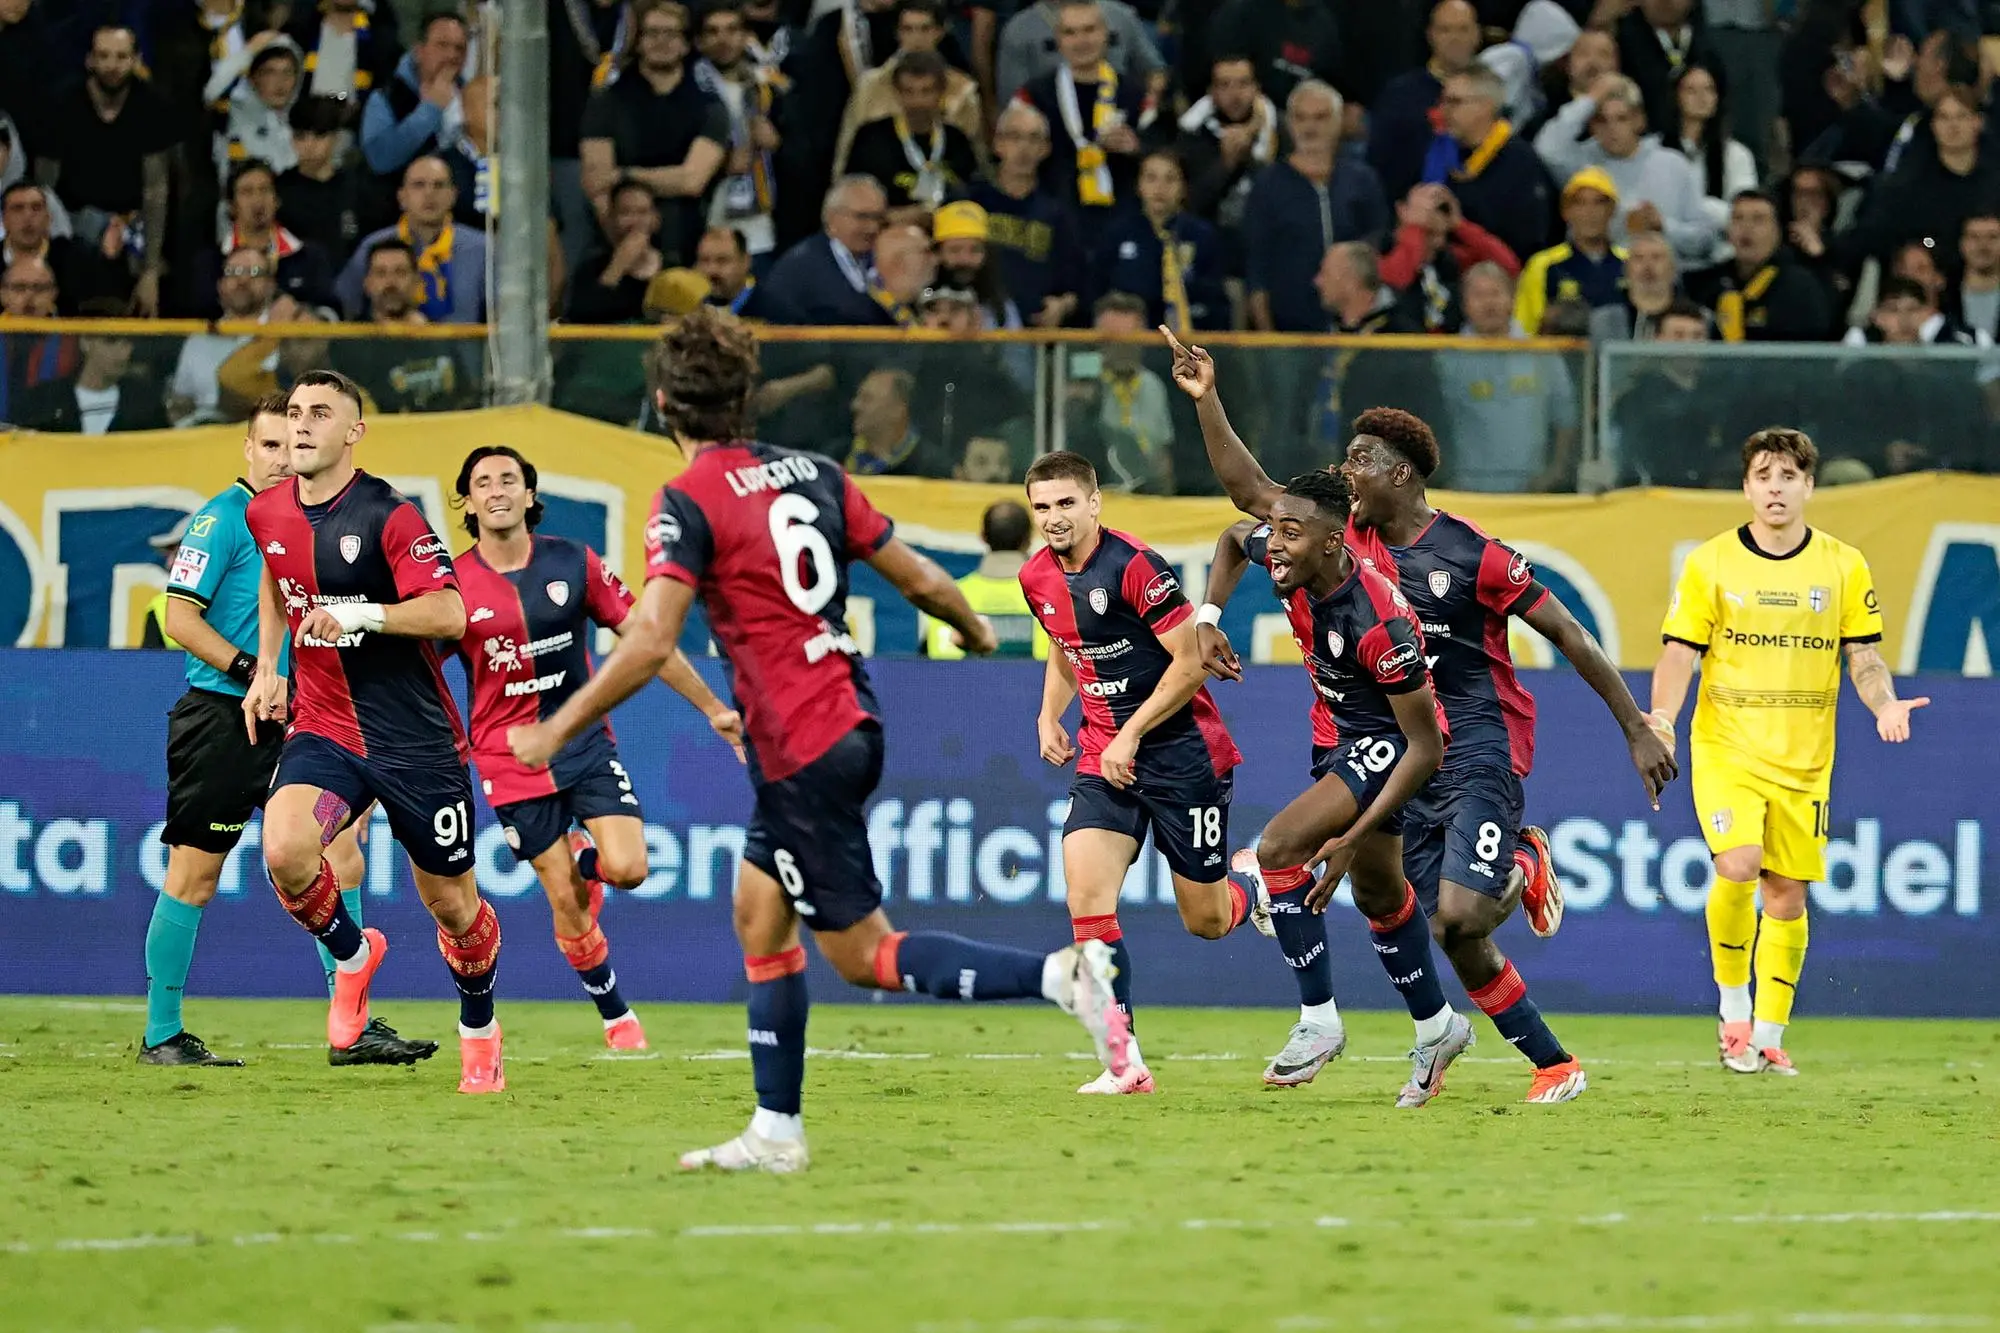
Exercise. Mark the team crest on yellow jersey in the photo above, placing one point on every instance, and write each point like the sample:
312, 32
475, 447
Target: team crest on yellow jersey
1722, 821
1820, 598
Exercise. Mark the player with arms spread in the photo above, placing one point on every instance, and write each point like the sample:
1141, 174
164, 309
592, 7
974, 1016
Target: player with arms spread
1155, 753
365, 589
1767, 611
531, 601
764, 537
1461, 844
217, 776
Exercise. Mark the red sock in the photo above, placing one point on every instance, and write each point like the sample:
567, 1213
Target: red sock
888, 975
1239, 904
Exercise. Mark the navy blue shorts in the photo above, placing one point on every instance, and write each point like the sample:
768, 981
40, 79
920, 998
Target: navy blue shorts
1462, 827
809, 833
1363, 763
429, 807
1190, 823
538, 823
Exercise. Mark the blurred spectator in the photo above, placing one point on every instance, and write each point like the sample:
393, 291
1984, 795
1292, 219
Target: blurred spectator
1912, 412
319, 200
1092, 109
1513, 415
1313, 199
1974, 300
1886, 131
1745, 36
988, 461
723, 258
1761, 295
1500, 183
404, 374
1530, 59
1917, 261
107, 143
1656, 38
1673, 428
1031, 46
993, 588
1434, 248
961, 387
1723, 168
656, 126
1906, 314
885, 441
586, 42
1288, 42
1813, 198
958, 234
28, 360
1033, 231
1358, 303
27, 55
920, 26
1652, 283
259, 83
1399, 119
1117, 413
81, 274
451, 260
350, 46
420, 111
610, 288
104, 395
1585, 266
1594, 55
1656, 186
474, 166
830, 278
304, 271
29, 285
247, 289
1167, 257
1929, 195
755, 96
905, 268
1353, 298
1226, 138
14, 169
918, 156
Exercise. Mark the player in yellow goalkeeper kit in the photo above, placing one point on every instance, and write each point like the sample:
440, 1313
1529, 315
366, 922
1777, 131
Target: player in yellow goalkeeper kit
1769, 609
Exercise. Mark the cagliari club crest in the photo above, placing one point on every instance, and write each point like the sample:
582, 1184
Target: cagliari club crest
350, 548
1099, 600
559, 592
1440, 582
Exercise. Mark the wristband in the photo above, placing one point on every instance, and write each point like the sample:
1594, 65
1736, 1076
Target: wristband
356, 615
242, 668
1209, 614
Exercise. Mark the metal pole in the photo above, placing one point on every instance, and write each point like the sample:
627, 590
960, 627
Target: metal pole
519, 311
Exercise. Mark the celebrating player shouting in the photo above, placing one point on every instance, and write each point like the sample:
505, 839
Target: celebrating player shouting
1767, 610
1155, 752
764, 537
366, 589
531, 601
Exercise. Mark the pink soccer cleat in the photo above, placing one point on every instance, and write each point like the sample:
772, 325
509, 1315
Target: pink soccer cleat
479, 1066
348, 1014
625, 1034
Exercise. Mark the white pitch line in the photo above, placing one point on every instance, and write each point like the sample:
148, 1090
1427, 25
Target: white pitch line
1746, 1319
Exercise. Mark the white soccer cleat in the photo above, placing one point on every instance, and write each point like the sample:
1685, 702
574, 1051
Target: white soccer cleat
1244, 865
1309, 1049
1089, 999
1429, 1061
1137, 1079
750, 1151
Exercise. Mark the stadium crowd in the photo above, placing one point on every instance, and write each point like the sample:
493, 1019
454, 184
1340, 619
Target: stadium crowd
1624, 170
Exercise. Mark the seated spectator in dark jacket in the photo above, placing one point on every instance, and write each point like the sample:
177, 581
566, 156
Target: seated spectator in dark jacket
1499, 179
886, 441
1434, 248
1929, 194
421, 110
1655, 39
962, 390
1167, 257
1585, 266
1761, 295
1092, 112
304, 271
104, 394
321, 201
1358, 303
918, 156
451, 260
1226, 138
1399, 119
1675, 424
1315, 198
830, 278
81, 273
1288, 42
1034, 232
1652, 285
1974, 300
723, 257
406, 374
1912, 412
610, 287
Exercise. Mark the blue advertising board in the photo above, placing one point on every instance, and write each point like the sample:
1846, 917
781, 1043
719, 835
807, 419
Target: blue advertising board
966, 832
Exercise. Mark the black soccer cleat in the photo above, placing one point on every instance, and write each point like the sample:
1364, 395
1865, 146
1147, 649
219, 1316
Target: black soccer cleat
184, 1048
378, 1044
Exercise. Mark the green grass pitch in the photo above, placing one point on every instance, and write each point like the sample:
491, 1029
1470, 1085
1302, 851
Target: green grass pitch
960, 1186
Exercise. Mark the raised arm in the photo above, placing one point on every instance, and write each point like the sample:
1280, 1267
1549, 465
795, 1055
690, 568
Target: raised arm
1250, 488
1650, 755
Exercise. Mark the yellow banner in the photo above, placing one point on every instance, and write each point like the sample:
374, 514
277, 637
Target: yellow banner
76, 514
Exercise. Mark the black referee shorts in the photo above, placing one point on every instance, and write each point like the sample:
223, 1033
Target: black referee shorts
216, 779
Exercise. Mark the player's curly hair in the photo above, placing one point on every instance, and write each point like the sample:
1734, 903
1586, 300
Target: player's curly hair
1327, 491
706, 365
1404, 432
1785, 442
462, 490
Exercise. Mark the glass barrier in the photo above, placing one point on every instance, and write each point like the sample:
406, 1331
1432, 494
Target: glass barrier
1676, 414
94, 376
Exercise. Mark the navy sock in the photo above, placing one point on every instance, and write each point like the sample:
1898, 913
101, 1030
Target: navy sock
351, 898
586, 862
1302, 935
601, 984
341, 936
778, 1009
1106, 928
474, 959
952, 967
1403, 944
475, 998
1505, 1000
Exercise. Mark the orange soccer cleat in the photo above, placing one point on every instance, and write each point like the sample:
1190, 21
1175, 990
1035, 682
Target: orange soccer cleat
1558, 1083
479, 1066
347, 1016
1542, 898
1733, 1048
625, 1034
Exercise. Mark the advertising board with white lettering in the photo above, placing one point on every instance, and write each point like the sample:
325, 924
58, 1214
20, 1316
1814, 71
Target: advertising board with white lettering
966, 830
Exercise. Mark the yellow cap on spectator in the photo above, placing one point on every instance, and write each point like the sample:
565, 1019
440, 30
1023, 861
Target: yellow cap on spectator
962, 221
675, 291
1592, 178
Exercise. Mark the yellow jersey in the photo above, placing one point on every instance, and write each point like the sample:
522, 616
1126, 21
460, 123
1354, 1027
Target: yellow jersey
1003, 603
1771, 629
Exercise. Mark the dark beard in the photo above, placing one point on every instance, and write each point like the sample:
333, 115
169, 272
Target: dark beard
965, 278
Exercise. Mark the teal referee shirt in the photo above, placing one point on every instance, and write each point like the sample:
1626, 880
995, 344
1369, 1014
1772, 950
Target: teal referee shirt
219, 570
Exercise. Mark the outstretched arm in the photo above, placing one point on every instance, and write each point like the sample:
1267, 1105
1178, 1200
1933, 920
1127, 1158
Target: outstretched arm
1250, 488
680, 676
930, 590
646, 642
1877, 689
1653, 757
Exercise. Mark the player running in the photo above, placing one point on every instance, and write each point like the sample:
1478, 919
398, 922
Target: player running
217, 775
531, 602
1461, 844
764, 537
366, 590
1155, 753
1767, 610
